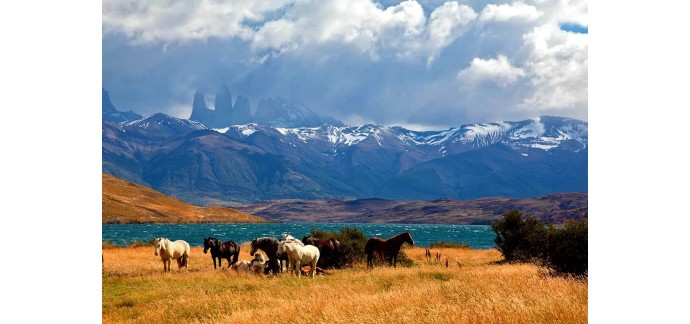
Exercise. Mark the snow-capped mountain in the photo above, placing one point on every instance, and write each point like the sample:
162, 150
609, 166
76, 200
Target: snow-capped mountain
252, 162
544, 133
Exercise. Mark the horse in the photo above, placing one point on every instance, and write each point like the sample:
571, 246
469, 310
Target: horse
285, 237
258, 264
221, 251
241, 266
300, 255
270, 246
178, 250
390, 247
289, 238
327, 248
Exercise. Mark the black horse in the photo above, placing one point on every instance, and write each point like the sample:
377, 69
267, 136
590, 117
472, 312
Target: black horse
270, 246
222, 250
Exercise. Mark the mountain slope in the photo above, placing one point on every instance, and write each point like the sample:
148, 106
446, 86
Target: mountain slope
110, 113
125, 202
248, 163
553, 209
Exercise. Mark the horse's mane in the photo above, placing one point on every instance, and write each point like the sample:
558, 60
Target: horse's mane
399, 236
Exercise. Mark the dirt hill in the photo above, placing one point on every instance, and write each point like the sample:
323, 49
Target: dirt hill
126, 202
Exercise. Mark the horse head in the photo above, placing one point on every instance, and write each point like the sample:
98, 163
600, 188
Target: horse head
408, 238
281, 248
207, 244
158, 243
252, 247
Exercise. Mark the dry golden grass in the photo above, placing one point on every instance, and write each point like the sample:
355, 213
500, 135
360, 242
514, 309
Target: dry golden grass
126, 202
478, 291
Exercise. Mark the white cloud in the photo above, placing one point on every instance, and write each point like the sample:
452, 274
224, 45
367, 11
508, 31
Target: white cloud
447, 23
516, 11
150, 21
360, 24
358, 60
498, 70
557, 67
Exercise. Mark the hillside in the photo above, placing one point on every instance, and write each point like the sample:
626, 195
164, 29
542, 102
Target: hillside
126, 202
553, 209
250, 163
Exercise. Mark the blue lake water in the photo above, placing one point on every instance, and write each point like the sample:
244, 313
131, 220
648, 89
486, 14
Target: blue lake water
476, 236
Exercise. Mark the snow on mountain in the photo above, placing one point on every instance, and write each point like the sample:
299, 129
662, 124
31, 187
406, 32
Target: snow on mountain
162, 121
543, 133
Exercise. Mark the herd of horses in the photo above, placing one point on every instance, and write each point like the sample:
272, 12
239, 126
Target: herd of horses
315, 253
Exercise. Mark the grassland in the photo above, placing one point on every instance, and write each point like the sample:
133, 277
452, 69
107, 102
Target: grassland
478, 290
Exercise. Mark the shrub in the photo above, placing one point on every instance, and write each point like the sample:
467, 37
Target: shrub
567, 248
520, 239
452, 245
352, 242
563, 250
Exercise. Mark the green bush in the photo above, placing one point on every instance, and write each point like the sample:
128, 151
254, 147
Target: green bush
562, 249
567, 248
520, 239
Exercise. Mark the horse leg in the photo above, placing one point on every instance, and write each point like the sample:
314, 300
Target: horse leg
313, 268
163, 260
299, 269
370, 263
395, 261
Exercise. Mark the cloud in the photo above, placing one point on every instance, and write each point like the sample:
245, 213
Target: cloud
509, 12
498, 70
557, 66
447, 23
427, 63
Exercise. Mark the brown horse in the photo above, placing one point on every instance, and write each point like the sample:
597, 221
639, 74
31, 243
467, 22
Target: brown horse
390, 247
329, 250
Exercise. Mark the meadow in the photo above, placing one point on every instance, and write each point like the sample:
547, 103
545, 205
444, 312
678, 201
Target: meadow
474, 288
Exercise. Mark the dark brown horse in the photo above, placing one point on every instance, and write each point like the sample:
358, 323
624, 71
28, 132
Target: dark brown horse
327, 248
386, 248
222, 250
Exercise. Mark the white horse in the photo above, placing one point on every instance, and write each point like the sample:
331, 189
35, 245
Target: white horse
258, 264
241, 266
289, 238
178, 250
300, 255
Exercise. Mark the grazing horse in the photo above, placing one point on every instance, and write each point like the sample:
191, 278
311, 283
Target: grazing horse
299, 255
327, 248
270, 246
222, 250
178, 250
390, 247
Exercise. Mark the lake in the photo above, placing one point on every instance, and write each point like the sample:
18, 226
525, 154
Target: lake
476, 236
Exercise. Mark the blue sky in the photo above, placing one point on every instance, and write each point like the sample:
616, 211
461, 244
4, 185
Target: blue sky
420, 64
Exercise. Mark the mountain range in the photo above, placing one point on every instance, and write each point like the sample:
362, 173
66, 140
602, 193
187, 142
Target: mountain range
276, 112
204, 164
551, 209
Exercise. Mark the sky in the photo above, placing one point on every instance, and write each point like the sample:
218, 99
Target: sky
419, 64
